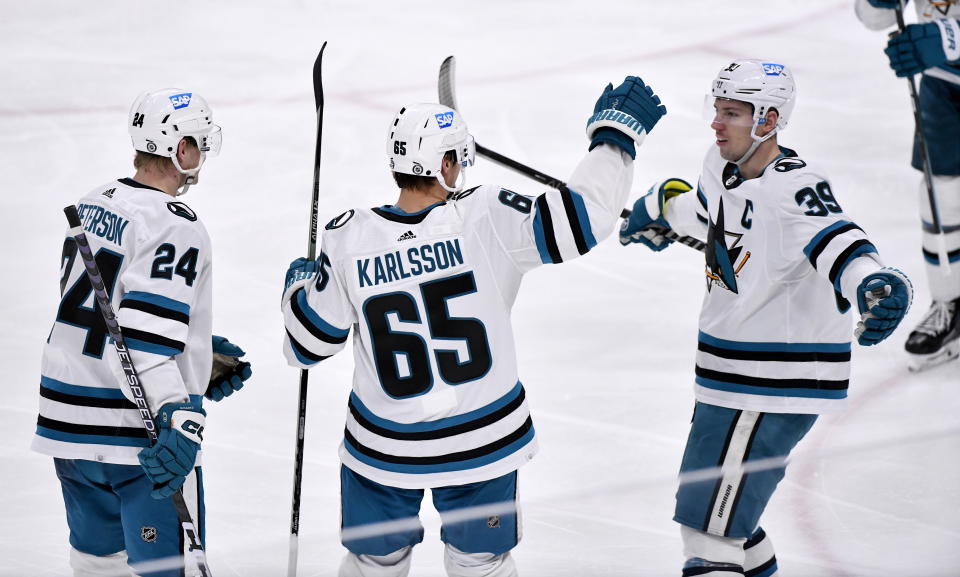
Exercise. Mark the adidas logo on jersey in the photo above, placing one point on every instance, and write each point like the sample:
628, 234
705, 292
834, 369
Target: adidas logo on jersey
407, 235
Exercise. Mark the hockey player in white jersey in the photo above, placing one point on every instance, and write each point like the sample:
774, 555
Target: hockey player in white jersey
784, 266
427, 284
931, 47
155, 259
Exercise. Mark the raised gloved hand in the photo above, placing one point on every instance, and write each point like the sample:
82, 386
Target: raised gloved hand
228, 372
624, 115
923, 46
887, 4
301, 269
168, 462
646, 223
884, 298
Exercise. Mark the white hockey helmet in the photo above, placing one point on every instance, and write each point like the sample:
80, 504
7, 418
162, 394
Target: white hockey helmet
763, 84
421, 134
159, 120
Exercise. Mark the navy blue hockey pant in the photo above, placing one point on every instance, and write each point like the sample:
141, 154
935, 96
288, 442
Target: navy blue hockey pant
364, 501
731, 505
109, 509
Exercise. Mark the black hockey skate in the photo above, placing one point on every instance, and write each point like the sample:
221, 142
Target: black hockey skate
936, 339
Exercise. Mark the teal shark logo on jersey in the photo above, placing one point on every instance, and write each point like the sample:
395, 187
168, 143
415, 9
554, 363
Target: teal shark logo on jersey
722, 266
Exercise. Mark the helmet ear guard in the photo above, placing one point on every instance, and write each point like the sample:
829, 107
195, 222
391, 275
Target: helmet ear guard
420, 136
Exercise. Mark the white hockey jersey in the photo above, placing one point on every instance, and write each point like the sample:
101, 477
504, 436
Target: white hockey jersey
154, 256
783, 264
945, 13
436, 398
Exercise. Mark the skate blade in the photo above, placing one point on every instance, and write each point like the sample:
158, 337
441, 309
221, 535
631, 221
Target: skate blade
918, 363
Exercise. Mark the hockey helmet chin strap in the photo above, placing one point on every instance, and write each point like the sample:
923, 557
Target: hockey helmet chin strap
191, 173
457, 185
757, 140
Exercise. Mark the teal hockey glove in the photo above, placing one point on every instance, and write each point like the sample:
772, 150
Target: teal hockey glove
300, 269
624, 115
229, 372
168, 462
884, 298
646, 223
923, 46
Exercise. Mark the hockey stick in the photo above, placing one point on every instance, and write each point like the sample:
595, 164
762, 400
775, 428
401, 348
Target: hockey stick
130, 371
304, 374
447, 92
925, 160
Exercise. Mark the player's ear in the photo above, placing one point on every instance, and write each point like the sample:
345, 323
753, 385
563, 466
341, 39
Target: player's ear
771, 118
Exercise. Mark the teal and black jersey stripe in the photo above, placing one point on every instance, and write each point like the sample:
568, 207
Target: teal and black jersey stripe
812, 370
311, 321
157, 305
550, 230
303, 353
838, 245
934, 258
456, 443
148, 342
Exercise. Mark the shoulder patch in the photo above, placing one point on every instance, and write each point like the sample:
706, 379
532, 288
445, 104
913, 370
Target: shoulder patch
787, 164
182, 210
340, 220
464, 194
515, 201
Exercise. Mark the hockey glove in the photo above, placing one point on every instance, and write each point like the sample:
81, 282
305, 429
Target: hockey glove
301, 269
886, 4
646, 224
624, 115
884, 298
923, 46
168, 462
229, 372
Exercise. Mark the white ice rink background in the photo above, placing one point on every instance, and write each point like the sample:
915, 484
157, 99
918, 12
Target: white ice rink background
606, 343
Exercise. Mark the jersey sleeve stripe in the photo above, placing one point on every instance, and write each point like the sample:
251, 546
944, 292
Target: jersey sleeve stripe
303, 354
156, 310
144, 341
857, 248
823, 238
312, 321
158, 300
701, 197
703, 219
544, 234
579, 220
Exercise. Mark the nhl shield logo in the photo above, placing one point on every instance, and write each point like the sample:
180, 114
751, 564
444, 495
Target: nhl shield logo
148, 534
493, 522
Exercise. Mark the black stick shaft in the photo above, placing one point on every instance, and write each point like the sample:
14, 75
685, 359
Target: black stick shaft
447, 91
304, 374
130, 372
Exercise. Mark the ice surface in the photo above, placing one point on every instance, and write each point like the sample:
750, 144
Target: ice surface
606, 342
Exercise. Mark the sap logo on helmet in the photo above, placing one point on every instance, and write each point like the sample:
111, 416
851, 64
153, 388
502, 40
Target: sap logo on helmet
181, 100
444, 119
772, 69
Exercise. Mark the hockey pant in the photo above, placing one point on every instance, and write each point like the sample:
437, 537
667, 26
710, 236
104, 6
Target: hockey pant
474, 547
114, 521
720, 515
